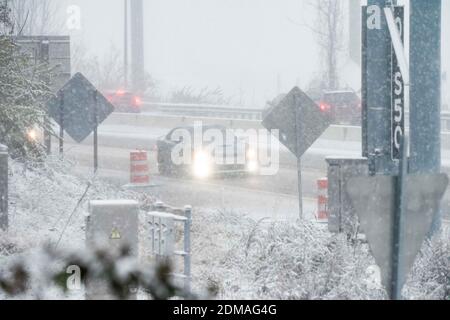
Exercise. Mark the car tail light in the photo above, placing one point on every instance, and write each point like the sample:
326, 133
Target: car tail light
120, 93
137, 102
324, 107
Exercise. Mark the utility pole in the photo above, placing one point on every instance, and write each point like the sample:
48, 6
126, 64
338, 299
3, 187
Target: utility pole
354, 29
125, 45
137, 45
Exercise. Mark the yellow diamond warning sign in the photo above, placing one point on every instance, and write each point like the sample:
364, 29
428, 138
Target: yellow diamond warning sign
115, 234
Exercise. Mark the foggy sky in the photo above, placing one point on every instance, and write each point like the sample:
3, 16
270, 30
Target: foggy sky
247, 47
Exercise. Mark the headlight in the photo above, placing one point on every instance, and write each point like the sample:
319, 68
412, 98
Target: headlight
202, 164
32, 135
252, 155
252, 166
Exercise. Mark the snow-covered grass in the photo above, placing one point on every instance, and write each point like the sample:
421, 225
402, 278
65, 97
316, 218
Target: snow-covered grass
232, 255
43, 197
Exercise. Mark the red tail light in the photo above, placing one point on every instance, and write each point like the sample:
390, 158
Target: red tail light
120, 93
324, 107
137, 101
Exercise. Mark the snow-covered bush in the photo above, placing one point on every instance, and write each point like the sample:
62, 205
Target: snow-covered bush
42, 274
297, 261
430, 276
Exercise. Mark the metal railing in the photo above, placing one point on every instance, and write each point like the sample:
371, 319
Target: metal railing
162, 236
230, 112
204, 110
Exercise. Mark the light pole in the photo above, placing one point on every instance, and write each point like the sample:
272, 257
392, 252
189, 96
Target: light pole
125, 45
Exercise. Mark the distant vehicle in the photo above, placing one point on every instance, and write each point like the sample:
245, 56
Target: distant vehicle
235, 155
344, 107
124, 101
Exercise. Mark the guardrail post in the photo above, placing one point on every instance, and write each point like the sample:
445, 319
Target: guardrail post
3, 187
187, 247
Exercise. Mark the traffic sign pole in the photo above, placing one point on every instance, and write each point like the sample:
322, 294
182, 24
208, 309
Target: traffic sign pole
399, 212
299, 133
299, 122
425, 93
377, 90
95, 131
425, 109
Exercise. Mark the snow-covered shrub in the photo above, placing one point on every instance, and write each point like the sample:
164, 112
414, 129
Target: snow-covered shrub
42, 274
296, 261
49, 202
430, 276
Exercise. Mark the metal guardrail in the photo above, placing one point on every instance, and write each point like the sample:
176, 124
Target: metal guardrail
204, 110
230, 112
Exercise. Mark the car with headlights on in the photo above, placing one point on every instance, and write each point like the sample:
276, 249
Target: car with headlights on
204, 152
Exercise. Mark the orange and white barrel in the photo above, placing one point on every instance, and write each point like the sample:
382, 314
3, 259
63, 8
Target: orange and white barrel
322, 199
139, 168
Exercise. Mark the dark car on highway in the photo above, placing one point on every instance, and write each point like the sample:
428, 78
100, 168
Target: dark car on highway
344, 107
124, 101
178, 155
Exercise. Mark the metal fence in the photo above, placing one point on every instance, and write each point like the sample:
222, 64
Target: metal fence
162, 224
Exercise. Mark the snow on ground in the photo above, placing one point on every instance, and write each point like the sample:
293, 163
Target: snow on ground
232, 255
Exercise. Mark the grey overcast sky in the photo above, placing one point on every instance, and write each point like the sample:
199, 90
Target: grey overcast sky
239, 45
243, 46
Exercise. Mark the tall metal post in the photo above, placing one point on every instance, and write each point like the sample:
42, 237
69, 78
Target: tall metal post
96, 132
299, 131
354, 28
425, 106
425, 96
187, 248
137, 44
125, 45
377, 90
3, 187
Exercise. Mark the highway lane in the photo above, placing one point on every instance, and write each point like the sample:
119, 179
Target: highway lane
284, 182
212, 195
118, 139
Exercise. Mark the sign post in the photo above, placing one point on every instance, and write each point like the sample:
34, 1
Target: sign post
377, 49
399, 202
298, 129
300, 123
79, 109
95, 131
425, 110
